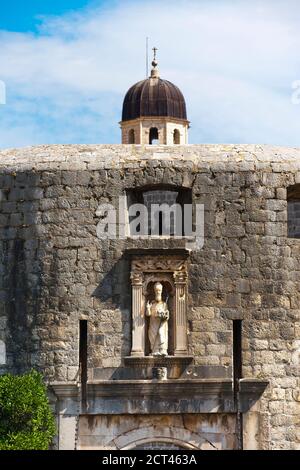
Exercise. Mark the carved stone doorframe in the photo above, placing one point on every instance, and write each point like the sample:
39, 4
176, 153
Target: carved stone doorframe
141, 267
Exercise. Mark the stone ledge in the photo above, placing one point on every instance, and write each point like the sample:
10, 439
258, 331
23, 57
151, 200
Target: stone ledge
250, 390
94, 157
252, 386
65, 389
166, 396
177, 388
160, 397
158, 361
191, 372
179, 251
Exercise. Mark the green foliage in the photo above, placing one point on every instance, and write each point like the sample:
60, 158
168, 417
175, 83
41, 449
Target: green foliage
26, 420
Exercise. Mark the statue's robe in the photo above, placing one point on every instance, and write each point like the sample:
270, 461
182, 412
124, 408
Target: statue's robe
158, 329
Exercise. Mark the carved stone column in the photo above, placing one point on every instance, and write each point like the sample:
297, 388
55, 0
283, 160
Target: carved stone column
180, 340
138, 314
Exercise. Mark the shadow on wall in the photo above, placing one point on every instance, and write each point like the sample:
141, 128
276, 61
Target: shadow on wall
114, 293
21, 268
114, 289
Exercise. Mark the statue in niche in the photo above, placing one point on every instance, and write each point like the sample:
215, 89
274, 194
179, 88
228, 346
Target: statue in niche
159, 315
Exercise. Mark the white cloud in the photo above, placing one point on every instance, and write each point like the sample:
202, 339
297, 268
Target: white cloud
235, 62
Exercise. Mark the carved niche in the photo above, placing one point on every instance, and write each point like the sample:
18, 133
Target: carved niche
171, 273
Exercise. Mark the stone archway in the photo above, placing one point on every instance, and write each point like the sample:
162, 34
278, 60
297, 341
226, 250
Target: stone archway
151, 436
162, 444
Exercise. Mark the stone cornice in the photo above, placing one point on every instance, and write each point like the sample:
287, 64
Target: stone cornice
220, 157
153, 396
65, 389
150, 119
158, 361
252, 386
168, 389
182, 253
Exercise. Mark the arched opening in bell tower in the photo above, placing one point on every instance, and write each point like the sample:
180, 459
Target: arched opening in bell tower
153, 136
131, 137
176, 137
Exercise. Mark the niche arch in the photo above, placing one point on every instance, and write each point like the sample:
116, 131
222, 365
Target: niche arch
169, 291
131, 136
153, 136
176, 137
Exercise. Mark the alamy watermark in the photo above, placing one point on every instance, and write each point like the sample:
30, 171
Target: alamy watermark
2, 92
295, 98
159, 220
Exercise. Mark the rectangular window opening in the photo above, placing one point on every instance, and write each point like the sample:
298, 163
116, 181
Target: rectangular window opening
83, 358
237, 375
237, 352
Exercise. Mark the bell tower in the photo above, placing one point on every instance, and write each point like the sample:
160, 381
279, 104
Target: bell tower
154, 112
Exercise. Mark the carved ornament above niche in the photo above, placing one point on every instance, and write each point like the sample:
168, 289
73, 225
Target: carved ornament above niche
159, 263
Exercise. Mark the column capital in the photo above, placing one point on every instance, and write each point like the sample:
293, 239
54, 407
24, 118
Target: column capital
180, 277
137, 278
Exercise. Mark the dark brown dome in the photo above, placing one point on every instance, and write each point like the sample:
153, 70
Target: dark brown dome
154, 97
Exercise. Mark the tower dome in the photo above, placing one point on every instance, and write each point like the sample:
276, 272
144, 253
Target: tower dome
154, 111
154, 97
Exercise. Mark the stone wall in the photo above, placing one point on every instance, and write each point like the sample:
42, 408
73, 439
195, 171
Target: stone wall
55, 271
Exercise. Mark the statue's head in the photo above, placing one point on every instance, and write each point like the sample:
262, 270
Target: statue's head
158, 288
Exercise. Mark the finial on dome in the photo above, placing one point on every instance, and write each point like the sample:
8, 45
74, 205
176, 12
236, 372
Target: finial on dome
154, 71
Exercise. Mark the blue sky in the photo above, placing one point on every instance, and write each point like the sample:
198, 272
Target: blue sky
24, 15
67, 64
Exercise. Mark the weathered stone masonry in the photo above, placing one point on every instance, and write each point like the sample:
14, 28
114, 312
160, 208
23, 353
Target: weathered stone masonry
55, 271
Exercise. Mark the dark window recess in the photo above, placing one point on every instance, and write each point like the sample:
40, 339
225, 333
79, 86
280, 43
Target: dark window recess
131, 137
237, 375
159, 221
176, 137
237, 353
83, 359
153, 136
293, 211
